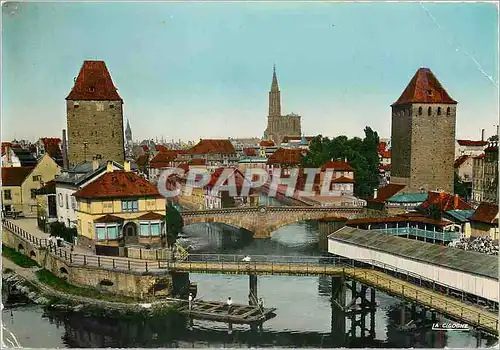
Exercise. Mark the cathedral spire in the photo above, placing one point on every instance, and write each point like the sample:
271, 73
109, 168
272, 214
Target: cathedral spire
274, 97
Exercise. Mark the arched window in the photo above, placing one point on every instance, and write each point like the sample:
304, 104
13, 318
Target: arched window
419, 110
429, 111
439, 111
448, 111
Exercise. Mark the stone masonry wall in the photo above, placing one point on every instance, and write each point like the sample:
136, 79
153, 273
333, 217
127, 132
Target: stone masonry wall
100, 125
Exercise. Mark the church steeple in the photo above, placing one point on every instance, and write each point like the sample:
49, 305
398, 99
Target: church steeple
274, 97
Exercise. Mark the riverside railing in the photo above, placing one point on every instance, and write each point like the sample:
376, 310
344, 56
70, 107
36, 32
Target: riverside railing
231, 263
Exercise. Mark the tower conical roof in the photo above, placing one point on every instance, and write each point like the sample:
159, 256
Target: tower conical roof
424, 87
94, 83
274, 84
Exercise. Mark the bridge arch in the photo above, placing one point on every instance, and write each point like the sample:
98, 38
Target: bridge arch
227, 221
32, 255
20, 248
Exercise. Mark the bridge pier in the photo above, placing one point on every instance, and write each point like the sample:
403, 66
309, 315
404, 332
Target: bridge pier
253, 294
338, 302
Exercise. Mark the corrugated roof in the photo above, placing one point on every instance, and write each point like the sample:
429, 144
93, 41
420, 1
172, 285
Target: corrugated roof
453, 258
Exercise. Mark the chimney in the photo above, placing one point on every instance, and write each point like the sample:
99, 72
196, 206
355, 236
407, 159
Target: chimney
95, 163
375, 192
482, 134
455, 202
65, 150
109, 167
126, 165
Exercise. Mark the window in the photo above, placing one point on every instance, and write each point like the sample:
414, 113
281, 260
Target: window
67, 201
129, 205
155, 229
144, 229
111, 106
91, 89
101, 232
37, 178
448, 111
419, 110
100, 106
73, 203
33, 193
107, 207
439, 111
8, 208
112, 232
76, 105
429, 111
7, 195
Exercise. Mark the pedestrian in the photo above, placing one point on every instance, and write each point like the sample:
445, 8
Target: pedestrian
190, 301
229, 305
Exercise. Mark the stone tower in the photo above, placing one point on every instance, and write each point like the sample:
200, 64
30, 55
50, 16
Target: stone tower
279, 126
94, 116
128, 142
423, 136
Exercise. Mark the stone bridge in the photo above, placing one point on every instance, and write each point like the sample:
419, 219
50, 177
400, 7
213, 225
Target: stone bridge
263, 220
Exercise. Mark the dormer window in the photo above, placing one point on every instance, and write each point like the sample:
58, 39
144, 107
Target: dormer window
428, 92
91, 89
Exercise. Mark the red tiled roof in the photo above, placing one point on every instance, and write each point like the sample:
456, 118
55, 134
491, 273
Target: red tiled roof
385, 166
213, 146
108, 218
460, 160
337, 165
198, 161
445, 201
184, 166
151, 216
472, 143
51, 145
266, 143
15, 176
382, 146
481, 156
94, 83
161, 148
239, 178
393, 219
286, 156
163, 159
386, 192
424, 87
145, 148
249, 152
118, 184
343, 180
486, 212
385, 154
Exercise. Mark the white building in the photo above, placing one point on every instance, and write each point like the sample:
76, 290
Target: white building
71, 181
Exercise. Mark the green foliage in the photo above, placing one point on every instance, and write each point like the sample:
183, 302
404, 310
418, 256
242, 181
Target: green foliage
173, 224
362, 155
58, 229
61, 285
433, 212
463, 189
18, 258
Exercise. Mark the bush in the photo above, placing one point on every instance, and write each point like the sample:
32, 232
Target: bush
18, 258
58, 229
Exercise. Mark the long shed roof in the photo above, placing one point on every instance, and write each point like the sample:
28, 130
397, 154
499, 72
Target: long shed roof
453, 258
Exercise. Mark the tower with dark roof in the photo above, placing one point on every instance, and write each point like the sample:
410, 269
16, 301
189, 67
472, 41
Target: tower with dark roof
423, 135
279, 126
94, 116
128, 141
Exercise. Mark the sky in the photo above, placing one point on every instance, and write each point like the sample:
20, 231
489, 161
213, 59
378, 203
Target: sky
203, 70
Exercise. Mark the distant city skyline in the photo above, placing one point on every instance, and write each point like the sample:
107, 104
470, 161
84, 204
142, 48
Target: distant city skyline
203, 70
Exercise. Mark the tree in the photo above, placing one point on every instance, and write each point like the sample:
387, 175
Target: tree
173, 225
433, 212
463, 189
362, 155
58, 229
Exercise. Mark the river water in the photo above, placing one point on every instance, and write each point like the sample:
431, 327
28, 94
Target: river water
304, 312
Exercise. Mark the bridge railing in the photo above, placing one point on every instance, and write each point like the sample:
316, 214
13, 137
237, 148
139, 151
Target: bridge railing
272, 209
466, 314
268, 259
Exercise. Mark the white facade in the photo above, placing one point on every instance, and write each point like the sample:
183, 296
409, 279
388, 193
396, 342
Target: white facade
10, 160
66, 203
474, 284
